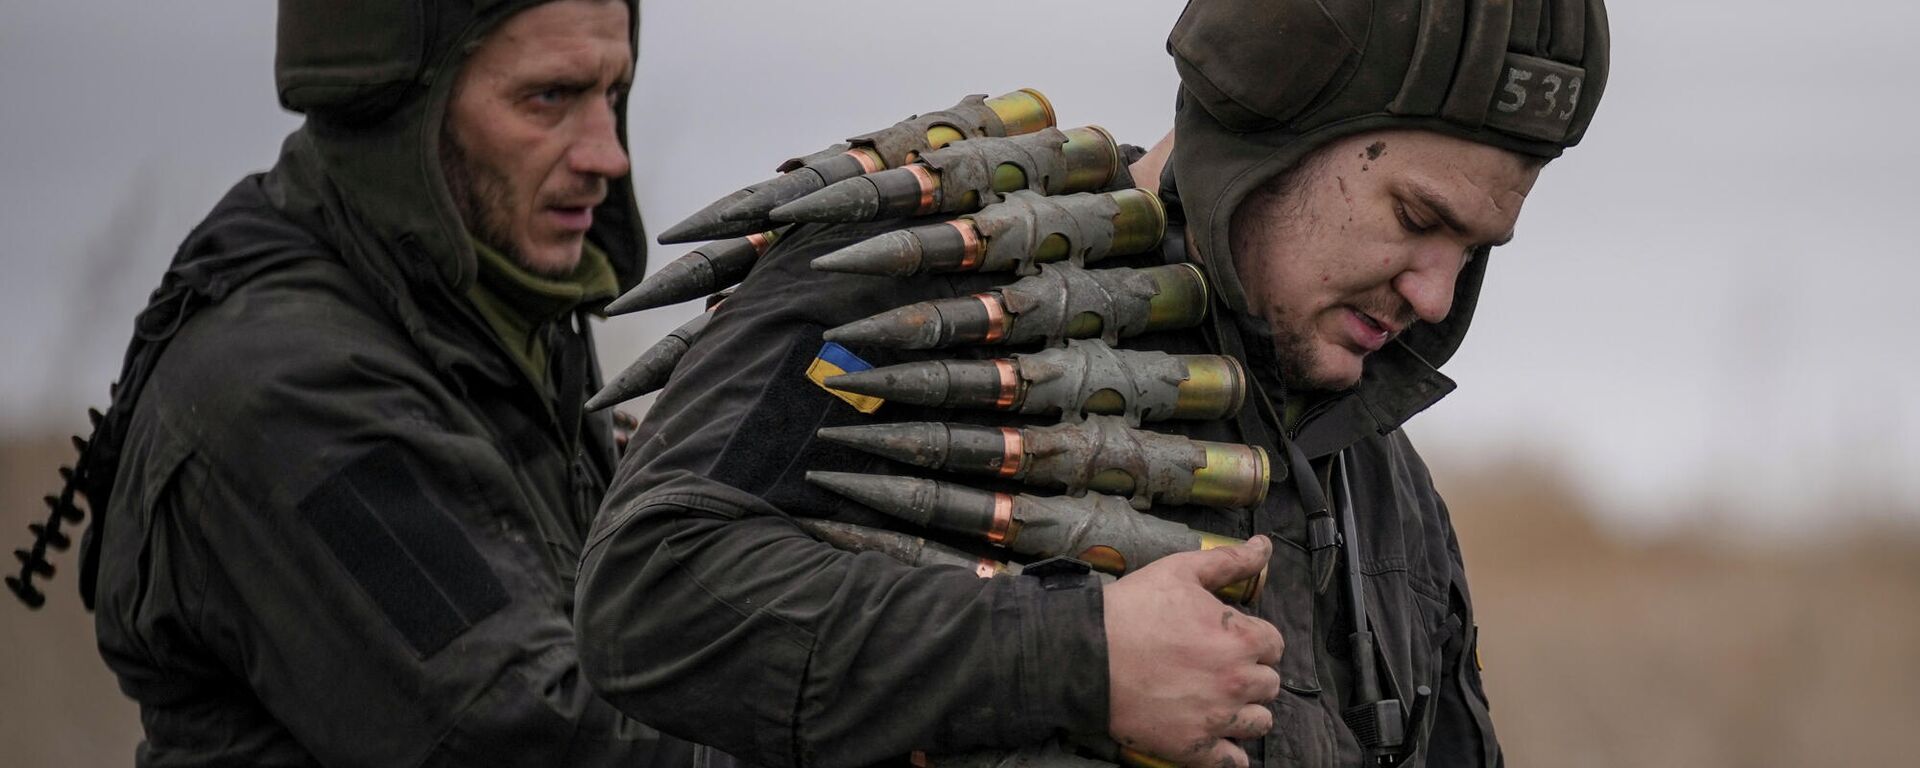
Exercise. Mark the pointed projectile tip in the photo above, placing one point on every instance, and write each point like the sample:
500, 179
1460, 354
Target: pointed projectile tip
682, 279
841, 535
707, 224
853, 200
896, 254
920, 383
773, 193
915, 326
921, 444
852, 485
869, 382
890, 494
647, 374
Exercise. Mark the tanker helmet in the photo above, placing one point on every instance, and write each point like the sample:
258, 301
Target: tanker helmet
1265, 82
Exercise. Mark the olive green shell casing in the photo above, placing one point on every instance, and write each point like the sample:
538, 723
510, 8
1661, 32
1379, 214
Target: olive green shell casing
1099, 454
1062, 302
1104, 531
1083, 377
1017, 234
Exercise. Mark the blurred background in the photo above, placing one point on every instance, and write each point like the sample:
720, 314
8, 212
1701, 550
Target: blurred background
1681, 458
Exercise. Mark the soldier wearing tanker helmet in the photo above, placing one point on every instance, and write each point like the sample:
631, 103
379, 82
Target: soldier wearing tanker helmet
1065, 472
347, 472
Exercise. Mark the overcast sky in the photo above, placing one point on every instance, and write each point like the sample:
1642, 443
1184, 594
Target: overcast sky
1711, 297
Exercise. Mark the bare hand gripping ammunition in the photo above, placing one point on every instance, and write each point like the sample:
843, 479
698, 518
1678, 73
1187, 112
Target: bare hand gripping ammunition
1100, 454
1105, 531
1084, 377
1017, 235
965, 175
1062, 302
745, 211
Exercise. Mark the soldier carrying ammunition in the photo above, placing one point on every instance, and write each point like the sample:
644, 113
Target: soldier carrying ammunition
883, 500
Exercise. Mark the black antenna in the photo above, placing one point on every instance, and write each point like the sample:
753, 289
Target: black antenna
48, 534
1379, 724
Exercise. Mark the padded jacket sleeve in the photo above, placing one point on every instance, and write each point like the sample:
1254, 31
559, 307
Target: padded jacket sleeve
703, 608
340, 550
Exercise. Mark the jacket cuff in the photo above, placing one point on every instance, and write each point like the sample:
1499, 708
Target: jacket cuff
1062, 669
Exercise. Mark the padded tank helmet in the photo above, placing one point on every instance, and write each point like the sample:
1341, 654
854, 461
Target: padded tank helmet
373, 79
1265, 82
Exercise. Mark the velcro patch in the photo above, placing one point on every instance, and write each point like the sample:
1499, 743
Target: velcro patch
409, 555
1536, 97
834, 360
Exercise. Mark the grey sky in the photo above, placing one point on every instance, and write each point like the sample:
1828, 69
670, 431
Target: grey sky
1711, 297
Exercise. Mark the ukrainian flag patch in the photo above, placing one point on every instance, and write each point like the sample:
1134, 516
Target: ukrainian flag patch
834, 360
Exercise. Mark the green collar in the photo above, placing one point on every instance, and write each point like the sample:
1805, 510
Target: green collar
518, 304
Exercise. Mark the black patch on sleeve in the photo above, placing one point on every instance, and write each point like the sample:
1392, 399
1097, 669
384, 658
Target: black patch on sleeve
776, 432
773, 447
408, 554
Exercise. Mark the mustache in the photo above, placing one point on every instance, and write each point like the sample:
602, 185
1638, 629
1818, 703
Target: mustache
1389, 309
591, 191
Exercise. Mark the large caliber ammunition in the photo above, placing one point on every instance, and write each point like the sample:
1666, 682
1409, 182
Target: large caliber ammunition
908, 549
1105, 531
1020, 112
745, 211
655, 366
1100, 454
1082, 377
1062, 302
1017, 234
965, 175
708, 223
701, 272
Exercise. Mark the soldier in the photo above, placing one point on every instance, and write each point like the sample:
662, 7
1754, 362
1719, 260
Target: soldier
1337, 177
347, 473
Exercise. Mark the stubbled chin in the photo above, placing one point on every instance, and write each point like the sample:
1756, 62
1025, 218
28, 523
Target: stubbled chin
552, 259
1337, 368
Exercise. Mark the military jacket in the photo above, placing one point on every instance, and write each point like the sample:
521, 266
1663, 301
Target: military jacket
346, 525
705, 610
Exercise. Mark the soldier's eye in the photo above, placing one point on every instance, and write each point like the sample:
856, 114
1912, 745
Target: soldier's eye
1407, 221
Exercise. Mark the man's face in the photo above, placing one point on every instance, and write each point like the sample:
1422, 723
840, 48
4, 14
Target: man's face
530, 140
1366, 238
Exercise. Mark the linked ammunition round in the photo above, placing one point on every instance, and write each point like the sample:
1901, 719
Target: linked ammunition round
650, 372
1062, 302
701, 272
965, 175
1103, 530
1017, 234
1012, 114
911, 550
1100, 454
1081, 378
710, 223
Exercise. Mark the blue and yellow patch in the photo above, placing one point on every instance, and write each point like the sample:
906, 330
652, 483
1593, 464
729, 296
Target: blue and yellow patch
834, 360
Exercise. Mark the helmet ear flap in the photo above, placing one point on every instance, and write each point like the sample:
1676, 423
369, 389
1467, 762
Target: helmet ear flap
351, 78
1246, 78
